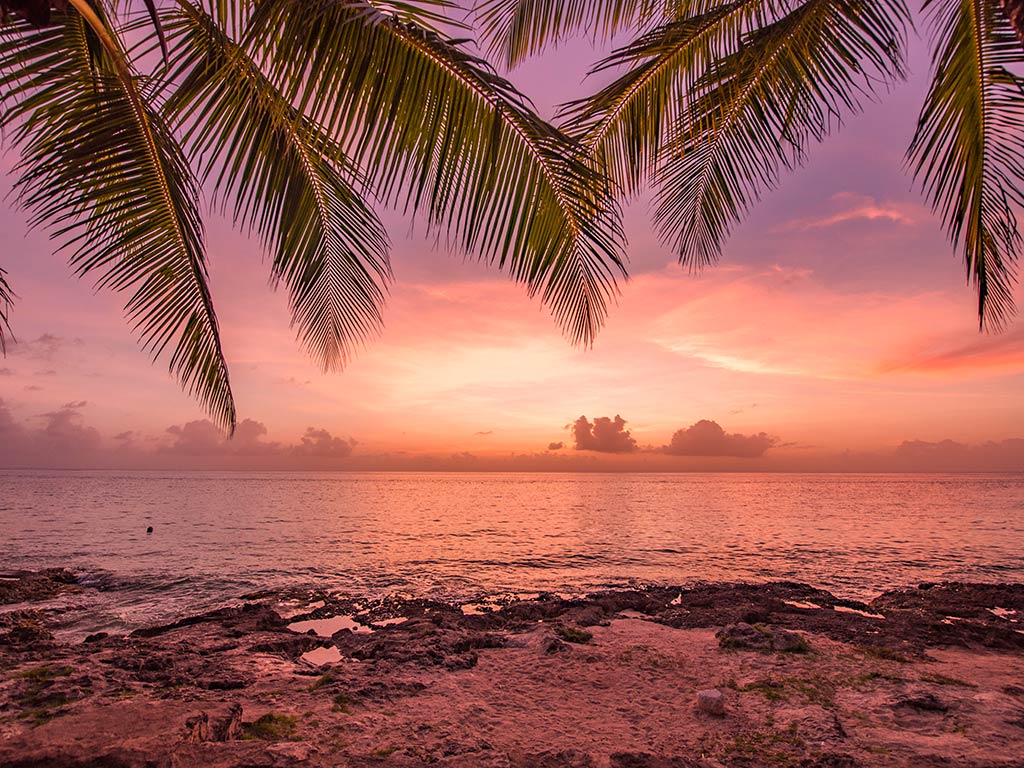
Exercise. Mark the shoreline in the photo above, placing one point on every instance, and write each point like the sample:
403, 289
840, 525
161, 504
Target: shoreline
927, 675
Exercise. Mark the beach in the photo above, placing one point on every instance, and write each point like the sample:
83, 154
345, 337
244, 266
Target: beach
778, 674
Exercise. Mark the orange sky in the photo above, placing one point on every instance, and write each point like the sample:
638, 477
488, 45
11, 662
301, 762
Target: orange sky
838, 323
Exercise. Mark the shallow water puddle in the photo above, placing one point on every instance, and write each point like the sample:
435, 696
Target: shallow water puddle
389, 622
320, 656
1003, 613
799, 604
327, 627
476, 609
858, 611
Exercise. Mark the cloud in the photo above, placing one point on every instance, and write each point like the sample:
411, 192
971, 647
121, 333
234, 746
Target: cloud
998, 352
707, 438
62, 439
482, 434
605, 435
555, 446
6, 372
952, 456
320, 443
44, 347
853, 207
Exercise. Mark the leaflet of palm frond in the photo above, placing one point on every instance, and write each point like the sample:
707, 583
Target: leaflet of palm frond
284, 179
513, 30
6, 300
756, 111
103, 173
968, 149
437, 130
625, 124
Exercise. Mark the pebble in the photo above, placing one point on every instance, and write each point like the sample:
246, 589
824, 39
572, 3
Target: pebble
711, 701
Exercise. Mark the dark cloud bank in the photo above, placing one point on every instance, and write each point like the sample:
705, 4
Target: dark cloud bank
705, 438
61, 438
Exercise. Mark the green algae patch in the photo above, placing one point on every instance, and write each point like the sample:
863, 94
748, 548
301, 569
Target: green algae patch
271, 727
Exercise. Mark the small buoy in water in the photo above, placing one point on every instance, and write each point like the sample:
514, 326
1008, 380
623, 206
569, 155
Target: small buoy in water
149, 529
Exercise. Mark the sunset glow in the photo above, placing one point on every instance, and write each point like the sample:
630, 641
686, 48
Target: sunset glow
838, 322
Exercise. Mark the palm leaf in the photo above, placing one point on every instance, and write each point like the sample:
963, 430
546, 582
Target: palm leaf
437, 130
6, 300
756, 110
968, 149
103, 173
516, 29
626, 123
327, 245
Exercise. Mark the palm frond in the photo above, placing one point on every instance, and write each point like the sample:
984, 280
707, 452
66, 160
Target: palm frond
327, 244
756, 111
626, 123
436, 129
6, 300
968, 152
103, 173
514, 30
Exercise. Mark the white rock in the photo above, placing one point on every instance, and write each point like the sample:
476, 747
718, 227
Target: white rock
711, 701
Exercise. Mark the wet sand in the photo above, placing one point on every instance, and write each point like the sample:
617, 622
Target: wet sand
923, 676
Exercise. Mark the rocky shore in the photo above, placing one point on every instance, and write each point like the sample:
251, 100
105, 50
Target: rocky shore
733, 675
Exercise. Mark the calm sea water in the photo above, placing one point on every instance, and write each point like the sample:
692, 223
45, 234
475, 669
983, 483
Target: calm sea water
463, 536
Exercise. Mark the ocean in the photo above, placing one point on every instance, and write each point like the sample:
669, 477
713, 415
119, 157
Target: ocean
466, 536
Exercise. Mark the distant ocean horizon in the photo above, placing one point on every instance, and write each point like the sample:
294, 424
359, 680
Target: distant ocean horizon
467, 535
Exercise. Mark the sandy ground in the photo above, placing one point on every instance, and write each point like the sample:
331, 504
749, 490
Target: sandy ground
547, 683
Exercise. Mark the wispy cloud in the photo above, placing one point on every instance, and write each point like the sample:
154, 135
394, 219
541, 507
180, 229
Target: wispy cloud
1001, 353
850, 207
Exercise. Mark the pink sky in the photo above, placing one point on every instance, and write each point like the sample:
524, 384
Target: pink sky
838, 323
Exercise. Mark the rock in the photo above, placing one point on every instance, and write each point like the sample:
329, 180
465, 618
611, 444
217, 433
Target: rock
289, 752
553, 645
743, 636
748, 637
712, 702
646, 760
30, 586
200, 728
923, 702
197, 728
788, 641
829, 760
461, 661
567, 758
228, 728
27, 634
222, 683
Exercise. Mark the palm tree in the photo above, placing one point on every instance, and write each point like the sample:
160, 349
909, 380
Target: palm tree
715, 99
296, 116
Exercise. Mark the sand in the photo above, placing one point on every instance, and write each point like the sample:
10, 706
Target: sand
606, 681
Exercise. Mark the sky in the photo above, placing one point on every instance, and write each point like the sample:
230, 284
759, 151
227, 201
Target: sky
837, 333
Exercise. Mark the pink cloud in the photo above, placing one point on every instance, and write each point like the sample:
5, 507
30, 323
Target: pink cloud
707, 438
605, 435
853, 208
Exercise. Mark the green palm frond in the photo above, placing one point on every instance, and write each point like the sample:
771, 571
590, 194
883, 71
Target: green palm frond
327, 244
436, 129
103, 173
968, 152
6, 300
516, 29
756, 110
626, 123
